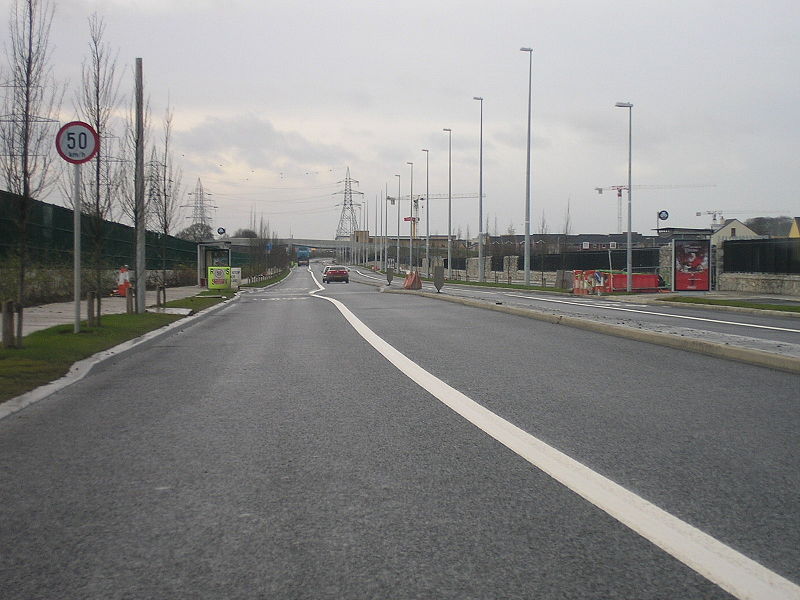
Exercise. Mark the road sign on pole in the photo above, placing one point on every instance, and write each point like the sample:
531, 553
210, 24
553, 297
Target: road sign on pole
77, 142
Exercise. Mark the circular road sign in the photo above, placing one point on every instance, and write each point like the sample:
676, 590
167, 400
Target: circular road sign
663, 215
77, 142
221, 230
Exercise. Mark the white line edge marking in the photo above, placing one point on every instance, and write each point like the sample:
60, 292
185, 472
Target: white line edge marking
717, 562
647, 312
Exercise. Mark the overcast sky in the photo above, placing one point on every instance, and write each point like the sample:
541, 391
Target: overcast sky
274, 100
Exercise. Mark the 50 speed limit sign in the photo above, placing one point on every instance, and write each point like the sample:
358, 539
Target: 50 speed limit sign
77, 142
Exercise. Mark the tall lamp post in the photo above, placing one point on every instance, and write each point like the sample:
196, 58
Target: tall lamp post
397, 265
629, 251
386, 226
528, 175
449, 201
411, 222
480, 200
427, 216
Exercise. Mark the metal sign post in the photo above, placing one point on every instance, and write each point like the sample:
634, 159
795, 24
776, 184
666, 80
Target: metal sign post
77, 142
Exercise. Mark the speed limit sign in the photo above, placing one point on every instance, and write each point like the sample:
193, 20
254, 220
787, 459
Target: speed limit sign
77, 142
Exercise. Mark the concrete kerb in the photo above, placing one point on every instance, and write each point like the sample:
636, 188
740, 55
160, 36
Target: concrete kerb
81, 369
754, 357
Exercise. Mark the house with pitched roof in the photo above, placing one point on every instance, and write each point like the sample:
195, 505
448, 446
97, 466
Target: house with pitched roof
732, 229
794, 232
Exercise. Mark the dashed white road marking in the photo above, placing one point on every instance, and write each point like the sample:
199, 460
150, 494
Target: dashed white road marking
732, 571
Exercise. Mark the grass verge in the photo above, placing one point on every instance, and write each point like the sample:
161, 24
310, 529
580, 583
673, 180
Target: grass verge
203, 300
270, 281
48, 354
508, 286
736, 303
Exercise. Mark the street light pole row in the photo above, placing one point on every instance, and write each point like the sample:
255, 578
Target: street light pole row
629, 251
527, 254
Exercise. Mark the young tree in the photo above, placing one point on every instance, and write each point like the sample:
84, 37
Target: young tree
127, 163
31, 108
567, 219
166, 195
97, 101
544, 227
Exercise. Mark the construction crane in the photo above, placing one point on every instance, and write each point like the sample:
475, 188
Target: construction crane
717, 217
619, 189
414, 218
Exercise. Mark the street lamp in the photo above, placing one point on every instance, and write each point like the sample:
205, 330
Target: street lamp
480, 200
386, 227
397, 265
528, 175
449, 201
629, 252
411, 223
427, 215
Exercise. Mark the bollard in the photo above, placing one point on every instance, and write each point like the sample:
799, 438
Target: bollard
90, 308
129, 300
8, 324
161, 296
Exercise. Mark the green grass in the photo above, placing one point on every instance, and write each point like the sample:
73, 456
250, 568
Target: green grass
737, 303
266, 282
500, 284
203, 300
49, 353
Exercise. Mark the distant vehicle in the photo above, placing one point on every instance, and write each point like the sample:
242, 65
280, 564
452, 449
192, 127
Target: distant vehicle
336, 273
303, 256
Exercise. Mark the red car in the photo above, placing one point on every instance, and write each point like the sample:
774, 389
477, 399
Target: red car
336, 273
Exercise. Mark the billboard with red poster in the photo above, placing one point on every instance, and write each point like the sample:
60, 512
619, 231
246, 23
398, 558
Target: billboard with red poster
691, 265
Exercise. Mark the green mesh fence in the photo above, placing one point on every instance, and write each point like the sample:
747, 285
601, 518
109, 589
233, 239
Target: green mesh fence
103, 243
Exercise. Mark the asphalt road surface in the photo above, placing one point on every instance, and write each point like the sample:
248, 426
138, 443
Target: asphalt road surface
278, 448
770, 333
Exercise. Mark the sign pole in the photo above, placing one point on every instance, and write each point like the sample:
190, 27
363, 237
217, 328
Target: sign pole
76, 244
77, 142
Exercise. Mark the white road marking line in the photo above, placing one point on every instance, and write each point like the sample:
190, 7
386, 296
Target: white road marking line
658, 314
732, 571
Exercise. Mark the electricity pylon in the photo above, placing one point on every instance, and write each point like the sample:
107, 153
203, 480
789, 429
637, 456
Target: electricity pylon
348, 224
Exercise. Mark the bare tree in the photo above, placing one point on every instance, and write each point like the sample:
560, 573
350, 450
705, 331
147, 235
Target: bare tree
30, 109
97, 101
165, 199
127, 163
544, 228
567, 219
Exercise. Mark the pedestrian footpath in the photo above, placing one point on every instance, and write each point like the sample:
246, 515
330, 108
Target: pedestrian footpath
62, 313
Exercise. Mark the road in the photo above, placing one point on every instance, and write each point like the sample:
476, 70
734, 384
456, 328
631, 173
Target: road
286, 446
770, 333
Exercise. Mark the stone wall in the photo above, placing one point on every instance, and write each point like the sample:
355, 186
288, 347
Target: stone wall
759, 283
473, 266
665, 264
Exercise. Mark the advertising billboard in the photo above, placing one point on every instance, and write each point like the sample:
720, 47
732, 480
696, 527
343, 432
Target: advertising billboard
691, 265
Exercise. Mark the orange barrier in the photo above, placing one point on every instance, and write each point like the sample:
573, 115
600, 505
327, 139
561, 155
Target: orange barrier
123, 281
412, 281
